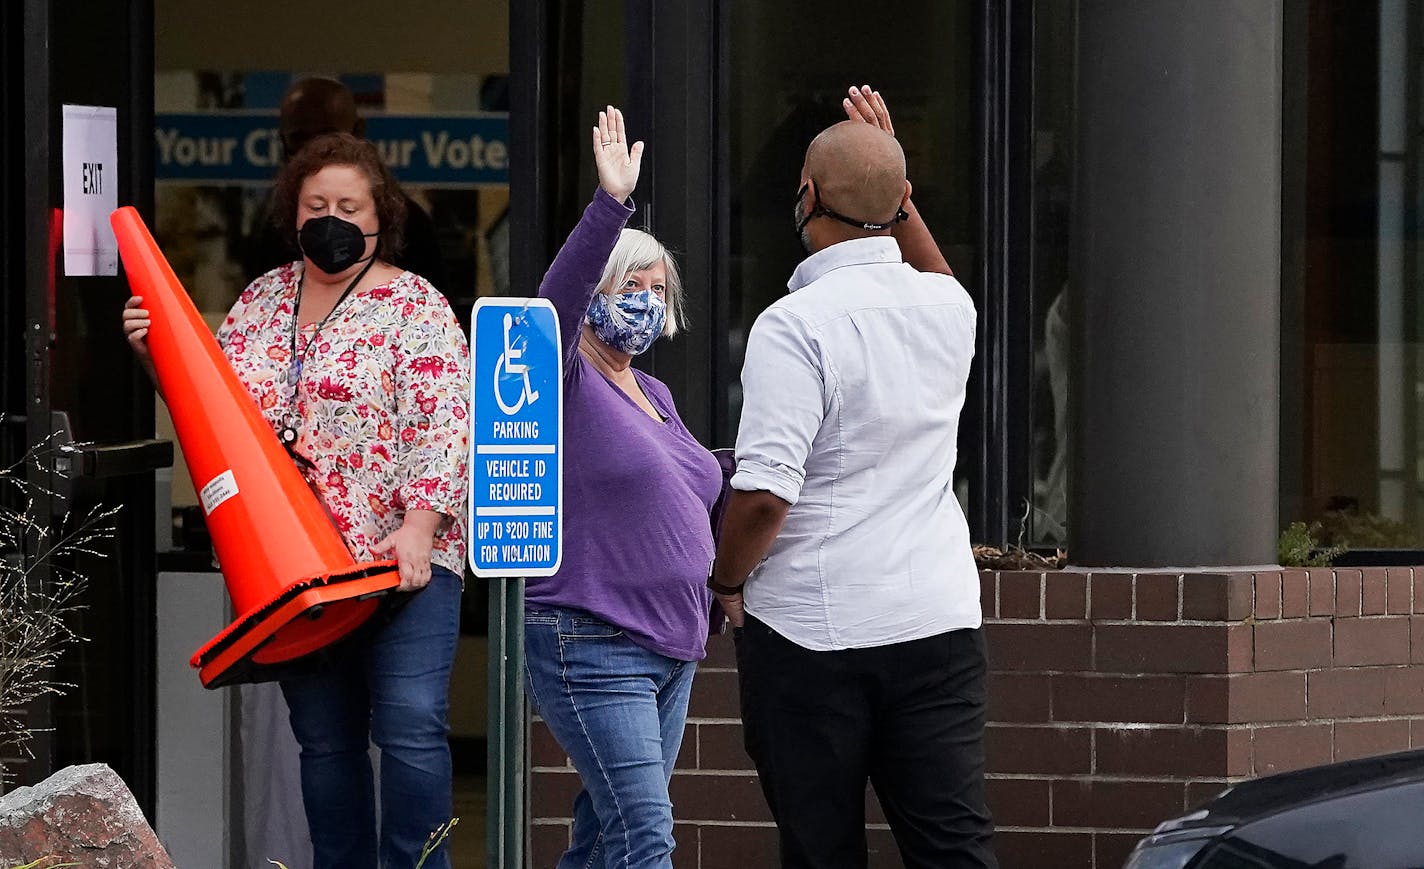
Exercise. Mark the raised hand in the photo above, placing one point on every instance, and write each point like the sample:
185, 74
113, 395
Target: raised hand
866, 105
618, 165
917, 245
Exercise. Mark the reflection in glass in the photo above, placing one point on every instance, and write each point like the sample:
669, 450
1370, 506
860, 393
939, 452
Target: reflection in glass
1053, 137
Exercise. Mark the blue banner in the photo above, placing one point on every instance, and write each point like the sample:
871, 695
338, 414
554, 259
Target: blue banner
243, 147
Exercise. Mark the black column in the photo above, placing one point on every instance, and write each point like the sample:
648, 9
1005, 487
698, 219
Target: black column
676, 70
1175, 295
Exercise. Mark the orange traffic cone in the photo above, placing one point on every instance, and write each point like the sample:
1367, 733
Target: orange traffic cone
291, 578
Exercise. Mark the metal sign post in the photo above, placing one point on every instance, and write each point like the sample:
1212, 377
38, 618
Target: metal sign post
516, 521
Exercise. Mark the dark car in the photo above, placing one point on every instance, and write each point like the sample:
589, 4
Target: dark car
1361, 814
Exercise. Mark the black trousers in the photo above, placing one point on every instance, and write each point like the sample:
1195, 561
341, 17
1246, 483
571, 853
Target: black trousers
908, 718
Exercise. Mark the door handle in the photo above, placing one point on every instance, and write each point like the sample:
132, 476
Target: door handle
100, 461
97, 461
121, 459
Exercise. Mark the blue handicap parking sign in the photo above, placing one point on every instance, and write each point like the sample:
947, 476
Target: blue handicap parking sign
516, 460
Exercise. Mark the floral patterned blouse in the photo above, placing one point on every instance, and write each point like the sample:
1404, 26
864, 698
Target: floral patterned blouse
383, 402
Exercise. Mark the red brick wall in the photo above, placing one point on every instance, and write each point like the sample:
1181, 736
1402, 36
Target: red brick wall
1116, 700
1120, 699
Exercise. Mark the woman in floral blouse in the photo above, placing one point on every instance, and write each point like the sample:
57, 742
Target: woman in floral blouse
363, 373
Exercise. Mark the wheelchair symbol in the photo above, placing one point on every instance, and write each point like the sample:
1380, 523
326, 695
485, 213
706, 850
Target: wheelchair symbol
511, 366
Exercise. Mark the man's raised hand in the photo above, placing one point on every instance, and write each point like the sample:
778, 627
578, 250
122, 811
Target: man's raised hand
865, 104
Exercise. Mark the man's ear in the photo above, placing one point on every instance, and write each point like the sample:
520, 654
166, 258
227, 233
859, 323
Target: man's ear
908, 188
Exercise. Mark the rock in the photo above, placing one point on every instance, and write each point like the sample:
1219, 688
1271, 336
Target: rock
81, 814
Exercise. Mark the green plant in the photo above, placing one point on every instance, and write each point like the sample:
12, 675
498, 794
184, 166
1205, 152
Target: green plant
1298, 547
1349, 527
35, 864
437, 838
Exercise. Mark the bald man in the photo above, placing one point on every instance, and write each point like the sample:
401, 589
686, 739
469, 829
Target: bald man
844, 561
310, 108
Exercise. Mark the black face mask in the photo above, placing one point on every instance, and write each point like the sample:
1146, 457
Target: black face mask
818, 209
800, 220
332, 244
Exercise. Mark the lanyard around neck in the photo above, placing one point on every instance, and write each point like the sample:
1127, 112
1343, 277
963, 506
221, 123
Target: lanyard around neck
294, 370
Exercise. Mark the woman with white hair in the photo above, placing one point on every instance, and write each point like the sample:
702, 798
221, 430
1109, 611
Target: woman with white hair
613, 638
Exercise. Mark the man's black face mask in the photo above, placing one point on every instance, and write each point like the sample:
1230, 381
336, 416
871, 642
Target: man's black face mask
819, 209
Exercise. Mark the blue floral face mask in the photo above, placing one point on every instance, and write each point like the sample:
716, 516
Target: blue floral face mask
628, 322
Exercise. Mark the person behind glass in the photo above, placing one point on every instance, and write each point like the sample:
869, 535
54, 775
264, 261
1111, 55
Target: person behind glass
362, 372
612, 639
313, 107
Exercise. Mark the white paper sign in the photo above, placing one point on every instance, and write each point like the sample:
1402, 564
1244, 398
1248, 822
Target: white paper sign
91, 189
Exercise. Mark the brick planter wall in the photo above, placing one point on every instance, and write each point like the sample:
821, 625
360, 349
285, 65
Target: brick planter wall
1117, 699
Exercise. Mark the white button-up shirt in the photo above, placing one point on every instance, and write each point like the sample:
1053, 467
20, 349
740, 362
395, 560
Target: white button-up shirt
852, 389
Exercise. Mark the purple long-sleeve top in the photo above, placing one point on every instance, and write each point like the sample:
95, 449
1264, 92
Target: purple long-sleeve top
637, 492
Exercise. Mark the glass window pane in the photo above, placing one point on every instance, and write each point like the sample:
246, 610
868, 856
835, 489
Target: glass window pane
788, 73
1353, 408
1054, 113
433, 91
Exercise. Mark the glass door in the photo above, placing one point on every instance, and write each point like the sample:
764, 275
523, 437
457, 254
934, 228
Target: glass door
70, 376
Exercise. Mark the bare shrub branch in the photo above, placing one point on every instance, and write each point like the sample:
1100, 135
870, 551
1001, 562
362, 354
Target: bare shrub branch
36, 617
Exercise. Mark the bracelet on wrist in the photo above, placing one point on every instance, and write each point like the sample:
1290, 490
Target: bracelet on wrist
717, 587
725, 590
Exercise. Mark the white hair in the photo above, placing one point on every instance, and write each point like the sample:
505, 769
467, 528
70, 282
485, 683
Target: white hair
636, 251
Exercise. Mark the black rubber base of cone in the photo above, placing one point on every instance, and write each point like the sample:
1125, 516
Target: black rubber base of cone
248, 670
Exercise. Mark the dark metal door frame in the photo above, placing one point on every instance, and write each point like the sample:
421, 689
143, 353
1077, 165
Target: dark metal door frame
998, 414
39, 290
55, 67
677, 88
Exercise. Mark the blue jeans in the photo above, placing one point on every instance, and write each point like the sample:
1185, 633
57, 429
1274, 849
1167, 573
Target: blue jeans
391, 688
618, 710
